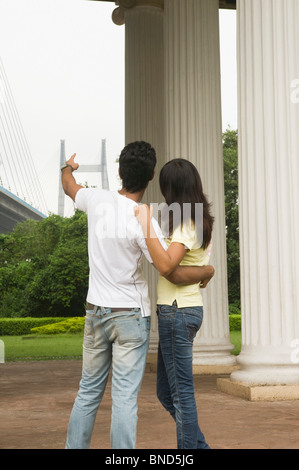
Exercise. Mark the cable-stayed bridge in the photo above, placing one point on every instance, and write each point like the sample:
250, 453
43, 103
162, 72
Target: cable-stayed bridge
21, 195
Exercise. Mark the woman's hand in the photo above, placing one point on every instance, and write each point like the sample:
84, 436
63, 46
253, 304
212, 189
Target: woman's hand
143, 214
187, 275
204, 283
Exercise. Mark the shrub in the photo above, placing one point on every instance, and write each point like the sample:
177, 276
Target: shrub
71, 325
234, 310
22, 326
235, 322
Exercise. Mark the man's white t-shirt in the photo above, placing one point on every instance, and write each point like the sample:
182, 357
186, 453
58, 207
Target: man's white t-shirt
116, 246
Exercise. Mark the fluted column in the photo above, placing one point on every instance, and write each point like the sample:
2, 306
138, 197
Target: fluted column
194, 132
268, 67
144, 100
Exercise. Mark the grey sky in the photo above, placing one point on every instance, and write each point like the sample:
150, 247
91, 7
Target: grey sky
65, 63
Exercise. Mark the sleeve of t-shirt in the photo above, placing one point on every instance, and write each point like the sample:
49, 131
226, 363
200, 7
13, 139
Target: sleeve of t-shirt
142, 243
82, 198
184, 235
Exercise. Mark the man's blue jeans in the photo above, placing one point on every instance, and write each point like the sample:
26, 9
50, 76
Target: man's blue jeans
175, 388
119, 339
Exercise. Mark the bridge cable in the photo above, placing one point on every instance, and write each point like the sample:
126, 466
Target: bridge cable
27, 167
14, 171
29, 161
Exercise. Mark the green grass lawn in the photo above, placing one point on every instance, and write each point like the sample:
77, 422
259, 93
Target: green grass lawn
43, 347
236, 340
61, 346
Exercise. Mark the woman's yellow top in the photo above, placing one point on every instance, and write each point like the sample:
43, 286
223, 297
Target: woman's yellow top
186, 296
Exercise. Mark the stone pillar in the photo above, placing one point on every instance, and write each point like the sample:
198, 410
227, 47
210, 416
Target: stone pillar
144, 101
268, 67
194, 132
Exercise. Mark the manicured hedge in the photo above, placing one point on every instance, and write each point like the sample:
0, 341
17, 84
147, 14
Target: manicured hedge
54, 325
68, 325
235, 322
22, 326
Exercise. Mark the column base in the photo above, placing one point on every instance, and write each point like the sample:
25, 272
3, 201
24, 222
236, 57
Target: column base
266, 366
214, 357
258, 392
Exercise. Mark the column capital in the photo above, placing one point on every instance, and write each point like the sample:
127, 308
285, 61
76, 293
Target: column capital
118, 15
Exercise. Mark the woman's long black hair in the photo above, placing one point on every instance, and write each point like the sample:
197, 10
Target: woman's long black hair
180, 183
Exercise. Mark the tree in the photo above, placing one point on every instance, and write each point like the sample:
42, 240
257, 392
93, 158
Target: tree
44, 268
230, 158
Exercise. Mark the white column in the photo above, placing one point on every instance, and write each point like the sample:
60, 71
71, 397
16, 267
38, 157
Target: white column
144, 100
268, 66
194, 132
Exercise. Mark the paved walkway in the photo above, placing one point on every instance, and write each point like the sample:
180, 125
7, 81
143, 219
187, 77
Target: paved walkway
36, 399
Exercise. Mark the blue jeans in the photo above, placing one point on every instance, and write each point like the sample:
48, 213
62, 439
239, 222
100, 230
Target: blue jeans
119, 339
175, 388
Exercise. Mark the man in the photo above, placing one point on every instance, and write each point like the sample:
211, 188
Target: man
117, 323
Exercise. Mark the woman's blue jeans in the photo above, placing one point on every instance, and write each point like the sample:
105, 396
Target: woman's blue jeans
121, 340
175, 387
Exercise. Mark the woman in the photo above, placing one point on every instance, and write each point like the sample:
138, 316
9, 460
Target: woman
180, 308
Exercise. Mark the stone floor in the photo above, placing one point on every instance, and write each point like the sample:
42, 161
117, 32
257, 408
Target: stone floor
36, 399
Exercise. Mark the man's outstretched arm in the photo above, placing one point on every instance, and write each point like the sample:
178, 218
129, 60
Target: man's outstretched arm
69, 183
185, 275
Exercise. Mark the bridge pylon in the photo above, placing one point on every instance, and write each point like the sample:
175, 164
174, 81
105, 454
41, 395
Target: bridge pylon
96, 168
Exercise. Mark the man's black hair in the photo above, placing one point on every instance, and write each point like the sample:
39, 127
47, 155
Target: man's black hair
137, 162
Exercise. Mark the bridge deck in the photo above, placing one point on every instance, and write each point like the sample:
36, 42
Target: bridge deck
14, 210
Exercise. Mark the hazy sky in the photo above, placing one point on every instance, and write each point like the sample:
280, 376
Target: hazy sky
64, 60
